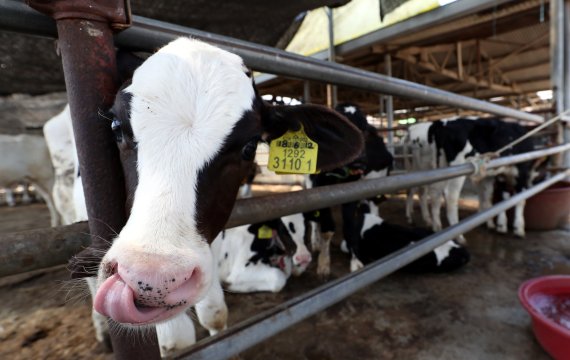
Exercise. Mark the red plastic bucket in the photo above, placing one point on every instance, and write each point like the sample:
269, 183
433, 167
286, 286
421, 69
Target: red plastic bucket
549, 209
546, 299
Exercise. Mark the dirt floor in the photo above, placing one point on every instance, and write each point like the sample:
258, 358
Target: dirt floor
473, 313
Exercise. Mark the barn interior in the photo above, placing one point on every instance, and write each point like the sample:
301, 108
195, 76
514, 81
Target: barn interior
499, 51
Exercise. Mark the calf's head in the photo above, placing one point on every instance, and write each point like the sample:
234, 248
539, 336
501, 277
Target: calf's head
185, 125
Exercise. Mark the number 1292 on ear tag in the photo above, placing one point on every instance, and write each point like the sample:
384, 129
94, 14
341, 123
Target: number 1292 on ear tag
293, 153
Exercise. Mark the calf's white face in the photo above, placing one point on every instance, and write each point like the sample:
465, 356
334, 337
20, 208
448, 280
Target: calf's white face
182, 127
302, 257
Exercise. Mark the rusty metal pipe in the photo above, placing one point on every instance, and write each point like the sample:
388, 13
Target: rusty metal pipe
85, 41
90, 74
37, 249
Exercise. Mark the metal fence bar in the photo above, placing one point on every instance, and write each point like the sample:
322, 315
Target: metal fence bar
147, 34
265, 325
257, 209
253, 210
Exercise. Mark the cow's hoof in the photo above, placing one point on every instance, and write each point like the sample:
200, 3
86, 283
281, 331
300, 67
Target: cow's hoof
502, 229
461, 240
355, 264
520, 234
324, 272
344, 247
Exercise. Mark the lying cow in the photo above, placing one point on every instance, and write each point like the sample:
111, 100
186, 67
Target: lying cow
453, 142
254, 257
377, 238
376, 161
185, 119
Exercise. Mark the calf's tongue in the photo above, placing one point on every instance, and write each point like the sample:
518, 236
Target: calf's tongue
115, 299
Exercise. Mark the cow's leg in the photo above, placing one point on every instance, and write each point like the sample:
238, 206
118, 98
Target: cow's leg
175, 334
26, 198
212, 310
452, 203
46, 195
410, 205
327, 232
100, 322
349, 224
519, 219
256, 277
324, 260
315, 236
355, 264
435, 202
10, 200
502, 225
485, 192
424, 205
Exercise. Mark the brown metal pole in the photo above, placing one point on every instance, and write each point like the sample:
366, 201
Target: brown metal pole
85, 40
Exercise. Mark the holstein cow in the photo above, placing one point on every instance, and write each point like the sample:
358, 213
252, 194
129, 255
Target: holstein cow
434, 145
254, 257
67, 190
490, 135
375, 161
186, 122
26, 158
453, 142
377, 238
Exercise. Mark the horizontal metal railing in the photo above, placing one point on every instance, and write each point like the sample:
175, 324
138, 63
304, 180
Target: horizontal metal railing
36, 249
148, 34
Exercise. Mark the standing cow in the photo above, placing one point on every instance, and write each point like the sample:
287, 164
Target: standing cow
453, 142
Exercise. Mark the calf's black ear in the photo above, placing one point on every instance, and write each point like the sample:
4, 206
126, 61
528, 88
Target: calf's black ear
127, 63
339, 140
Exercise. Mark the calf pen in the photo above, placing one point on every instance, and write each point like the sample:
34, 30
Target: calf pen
20, 252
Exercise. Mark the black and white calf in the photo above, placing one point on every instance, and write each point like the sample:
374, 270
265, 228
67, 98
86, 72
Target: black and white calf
184, 126
453, 142
375, 161
377, 238
255, 257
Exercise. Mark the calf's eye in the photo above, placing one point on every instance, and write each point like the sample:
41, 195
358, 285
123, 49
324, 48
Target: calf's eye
248, 151
117, 131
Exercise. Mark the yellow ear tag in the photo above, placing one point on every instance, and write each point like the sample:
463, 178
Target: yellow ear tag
293, 153
265, 232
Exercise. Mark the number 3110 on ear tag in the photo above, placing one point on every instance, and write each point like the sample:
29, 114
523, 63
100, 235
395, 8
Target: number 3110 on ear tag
293, 153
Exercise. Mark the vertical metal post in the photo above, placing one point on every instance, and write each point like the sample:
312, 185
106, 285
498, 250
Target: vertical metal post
389, 105
331, 89
565, 45
85, 40
381, 109
307, 91
557, 63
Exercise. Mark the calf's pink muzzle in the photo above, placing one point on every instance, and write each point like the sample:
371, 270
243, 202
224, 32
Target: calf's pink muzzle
137, 298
